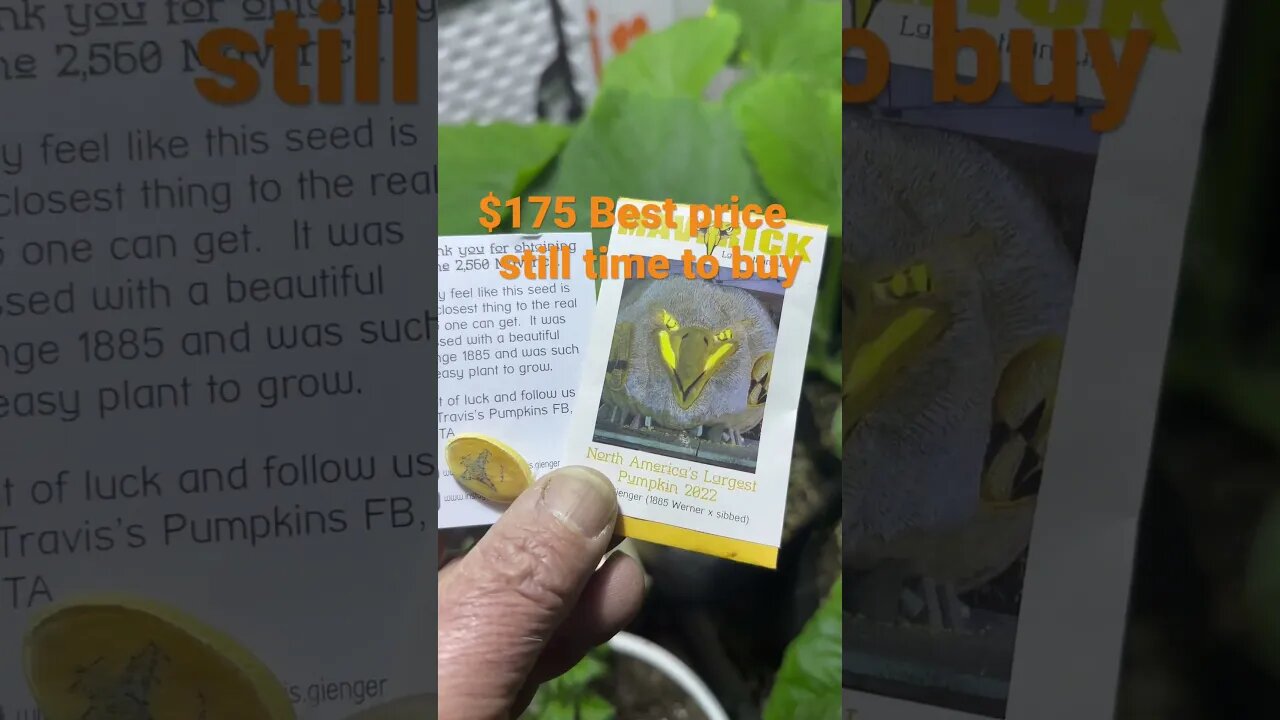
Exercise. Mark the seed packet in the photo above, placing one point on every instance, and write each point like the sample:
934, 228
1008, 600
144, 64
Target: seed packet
691, 381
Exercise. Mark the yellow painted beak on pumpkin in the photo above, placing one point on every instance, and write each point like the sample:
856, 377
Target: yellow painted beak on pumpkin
692, 356
894, 320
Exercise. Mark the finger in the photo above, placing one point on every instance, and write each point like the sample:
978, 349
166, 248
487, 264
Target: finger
501, 602
609, 593
609, 602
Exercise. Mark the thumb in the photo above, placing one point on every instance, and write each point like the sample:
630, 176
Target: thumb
501, 602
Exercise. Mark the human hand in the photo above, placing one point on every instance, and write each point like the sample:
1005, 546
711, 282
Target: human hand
527, 602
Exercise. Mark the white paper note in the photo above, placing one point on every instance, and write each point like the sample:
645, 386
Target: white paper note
510, 356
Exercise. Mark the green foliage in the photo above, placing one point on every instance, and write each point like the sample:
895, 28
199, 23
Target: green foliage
650, 134
652, 148
788, 109
570, 696
502, 158
1212, 352
806, 44
792, 131
808, 684
679, 61
789, 37
1226, 341
760, 22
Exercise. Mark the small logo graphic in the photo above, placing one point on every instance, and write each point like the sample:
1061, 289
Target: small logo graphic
864, 9
714, 237
127, 693
478, 470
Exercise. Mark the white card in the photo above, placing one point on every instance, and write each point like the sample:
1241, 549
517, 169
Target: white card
510, 356
690, 387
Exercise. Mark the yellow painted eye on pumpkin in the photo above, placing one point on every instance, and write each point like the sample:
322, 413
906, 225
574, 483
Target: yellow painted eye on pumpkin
669, 321
717, 356
903, 285
724, 335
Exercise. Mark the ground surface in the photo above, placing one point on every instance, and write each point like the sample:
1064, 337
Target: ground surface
641, 693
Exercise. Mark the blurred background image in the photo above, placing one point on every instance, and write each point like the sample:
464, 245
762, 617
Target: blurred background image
1203, 638
932, 613
1203, 629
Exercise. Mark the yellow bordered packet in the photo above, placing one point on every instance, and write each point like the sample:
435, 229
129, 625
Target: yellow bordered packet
115, 656
691, 382
488, 467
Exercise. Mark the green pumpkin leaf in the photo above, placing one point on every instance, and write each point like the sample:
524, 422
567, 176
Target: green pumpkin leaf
594, 707
808, 684
791, 36
651, 148
760, 22
502, 158
792, 131
587, 671
678, 61
808, 45
559, 710
570, 696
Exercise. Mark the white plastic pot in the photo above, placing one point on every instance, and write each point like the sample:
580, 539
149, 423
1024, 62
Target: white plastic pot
659, 658
423, 707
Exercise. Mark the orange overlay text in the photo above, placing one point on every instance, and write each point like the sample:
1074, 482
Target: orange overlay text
538, 211
556, 262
